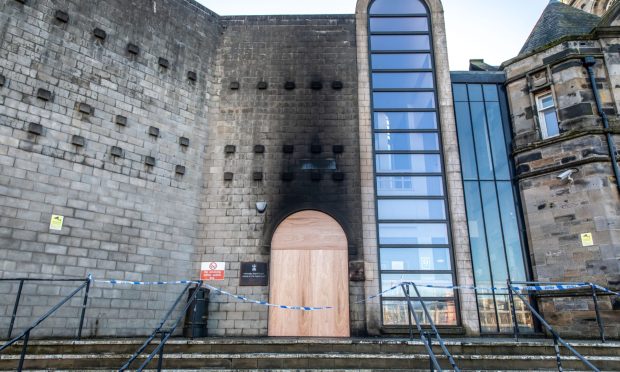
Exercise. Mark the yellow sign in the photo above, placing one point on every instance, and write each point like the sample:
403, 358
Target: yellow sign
586, 240
56, 222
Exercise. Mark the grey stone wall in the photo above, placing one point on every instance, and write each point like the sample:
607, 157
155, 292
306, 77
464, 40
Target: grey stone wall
276, 50
124, 219
558, 211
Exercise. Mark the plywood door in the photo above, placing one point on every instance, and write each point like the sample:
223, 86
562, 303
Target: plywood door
309, 267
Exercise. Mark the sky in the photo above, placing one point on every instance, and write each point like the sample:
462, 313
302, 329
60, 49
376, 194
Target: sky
494, 30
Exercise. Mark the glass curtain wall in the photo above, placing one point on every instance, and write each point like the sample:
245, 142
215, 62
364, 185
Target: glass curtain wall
412, 213
494, 227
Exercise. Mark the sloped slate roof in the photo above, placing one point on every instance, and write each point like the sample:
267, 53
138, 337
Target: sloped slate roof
557, 21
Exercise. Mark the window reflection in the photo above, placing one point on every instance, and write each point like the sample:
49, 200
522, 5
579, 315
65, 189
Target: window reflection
399, 42
403, 259
402, 80
413, 233
405, 163
397, 7
400, 100
409, 186
442, 312
399, 24
405, 120
440, 280
401, 61
406, 142
411, 210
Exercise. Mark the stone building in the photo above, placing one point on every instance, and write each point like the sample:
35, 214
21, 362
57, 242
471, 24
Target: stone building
337, 151
597, 7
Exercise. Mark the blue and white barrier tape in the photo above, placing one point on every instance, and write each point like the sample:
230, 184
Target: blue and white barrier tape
129, 282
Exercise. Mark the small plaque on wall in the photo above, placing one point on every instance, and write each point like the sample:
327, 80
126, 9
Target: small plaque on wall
254, 274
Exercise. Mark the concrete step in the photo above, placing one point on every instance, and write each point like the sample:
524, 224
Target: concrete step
314, 354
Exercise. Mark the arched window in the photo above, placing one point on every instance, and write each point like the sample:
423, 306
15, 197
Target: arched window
412, 210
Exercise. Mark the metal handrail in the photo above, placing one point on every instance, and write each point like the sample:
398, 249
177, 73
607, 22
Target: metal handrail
165, 335
25, 335
426, 338
557, 340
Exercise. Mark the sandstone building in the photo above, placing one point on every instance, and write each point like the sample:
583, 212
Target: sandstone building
338, 150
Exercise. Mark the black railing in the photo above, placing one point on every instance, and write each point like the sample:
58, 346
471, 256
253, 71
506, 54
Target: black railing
25, 335
165, 334
557, 340
425, 336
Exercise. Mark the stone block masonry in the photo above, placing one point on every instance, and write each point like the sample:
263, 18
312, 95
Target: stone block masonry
72, 77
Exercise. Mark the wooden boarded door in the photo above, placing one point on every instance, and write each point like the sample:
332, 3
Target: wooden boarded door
309, 267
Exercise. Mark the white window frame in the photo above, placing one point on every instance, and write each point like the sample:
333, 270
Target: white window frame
544, 132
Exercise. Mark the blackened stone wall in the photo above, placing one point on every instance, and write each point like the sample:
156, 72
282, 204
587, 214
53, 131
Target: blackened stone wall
315, 120
124, 219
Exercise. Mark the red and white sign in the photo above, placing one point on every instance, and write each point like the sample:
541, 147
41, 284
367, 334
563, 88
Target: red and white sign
212, 270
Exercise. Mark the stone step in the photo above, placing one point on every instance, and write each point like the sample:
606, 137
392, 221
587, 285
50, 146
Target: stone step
308, 360
314, 354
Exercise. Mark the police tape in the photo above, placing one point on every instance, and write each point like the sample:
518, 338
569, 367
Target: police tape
538, 288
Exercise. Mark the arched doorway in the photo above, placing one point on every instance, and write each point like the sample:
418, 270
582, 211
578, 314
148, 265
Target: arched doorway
309, 267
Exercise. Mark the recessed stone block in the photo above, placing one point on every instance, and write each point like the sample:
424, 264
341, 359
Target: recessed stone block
191, 76
257, 176
154, 131
338, 149
228, 176
100, 34
44, 94
116, 151
121, 120
338, 176
21, 1
163, 62
133, 49
262, 85
316, 176
35, 128
288, 149
78, 141
356, 271
289, 85
337, 85
179, 169
259, 149
287, 176
2, 80
316, 85
184, 141
62, 16
235, 85
230, 149
316, 149
149, 160
85, 108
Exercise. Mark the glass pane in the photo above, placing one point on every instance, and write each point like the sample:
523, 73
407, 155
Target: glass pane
400, 61
477, 234
498, 141
413, 233
415, 259
466, 141
397, 7
399, 24
408, 163
490, 93
320, 164
495, 238
546, 102
405, 120
399, 42
481, 137
460, 92
403, 80
409, 186
400, 100
411, 210
406, 142
551, 121
444, 280
488, 318
442, 312
510, 224
475, 92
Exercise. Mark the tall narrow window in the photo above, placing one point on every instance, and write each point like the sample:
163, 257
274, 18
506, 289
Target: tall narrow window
412, 209
547, 116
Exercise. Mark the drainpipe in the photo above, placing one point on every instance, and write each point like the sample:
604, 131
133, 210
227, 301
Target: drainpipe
589, 63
